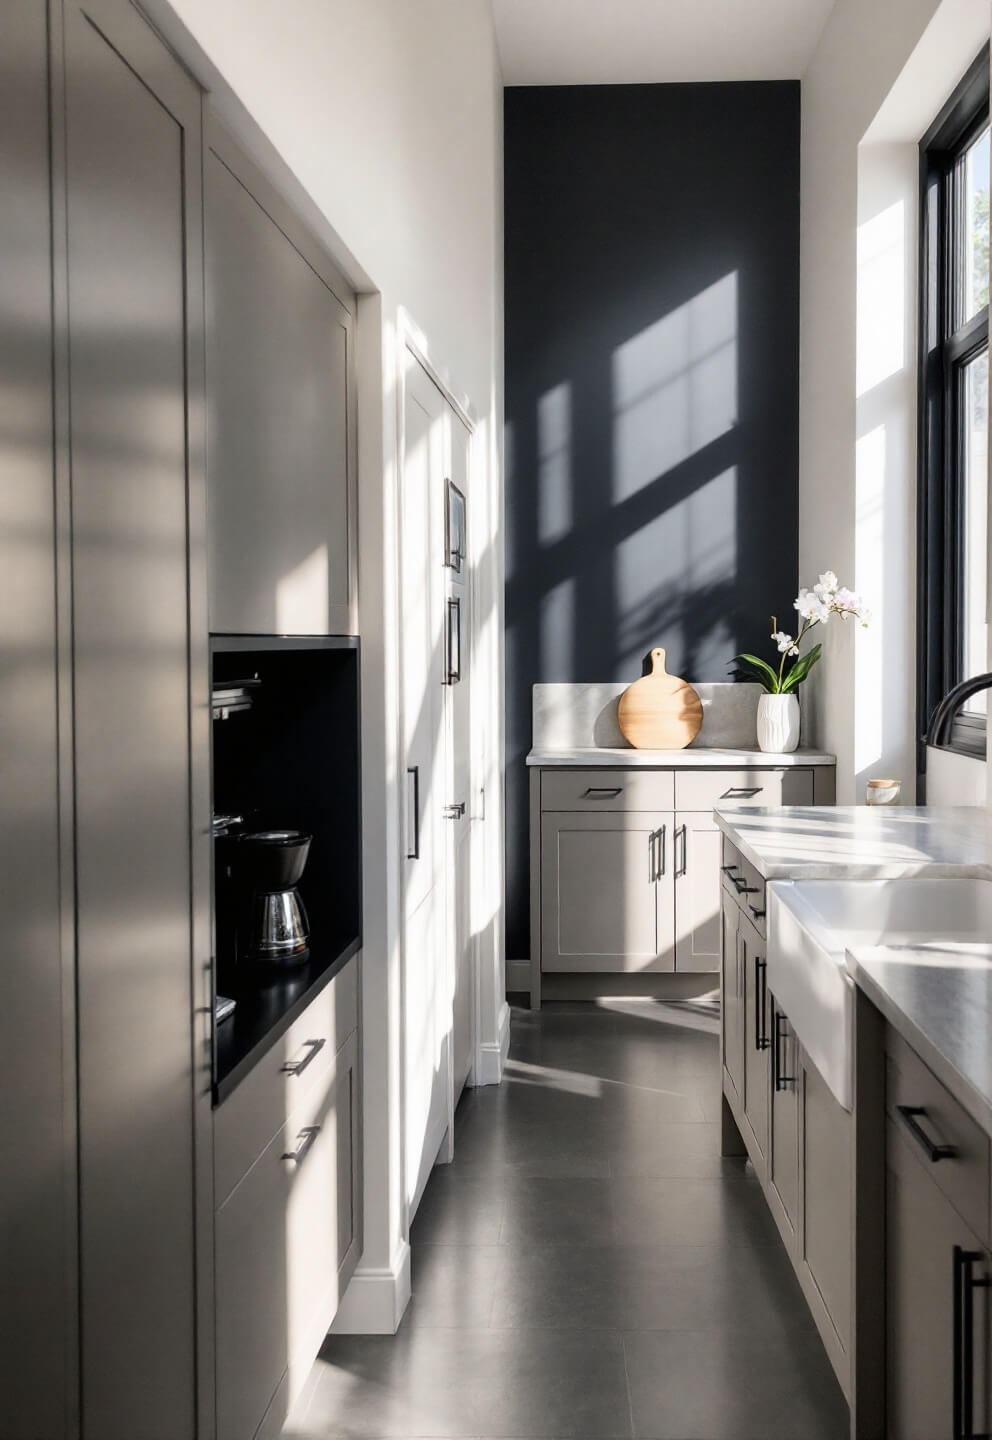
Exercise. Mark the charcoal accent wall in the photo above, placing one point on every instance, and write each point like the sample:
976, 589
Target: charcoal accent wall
652, 390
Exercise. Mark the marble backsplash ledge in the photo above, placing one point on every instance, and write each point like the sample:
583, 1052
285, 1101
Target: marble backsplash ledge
577, 716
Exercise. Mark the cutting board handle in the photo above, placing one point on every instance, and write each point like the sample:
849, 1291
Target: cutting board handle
658, 661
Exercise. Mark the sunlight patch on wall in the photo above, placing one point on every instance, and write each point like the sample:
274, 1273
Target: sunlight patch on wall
677, 575
881, 297
675, 387
303, 593
869, 566
554, 464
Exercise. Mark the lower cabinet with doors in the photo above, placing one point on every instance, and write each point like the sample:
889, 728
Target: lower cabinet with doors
288, 1231
625, 863
938, 1343
797, 1136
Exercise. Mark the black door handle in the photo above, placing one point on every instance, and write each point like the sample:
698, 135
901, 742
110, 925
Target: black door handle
781, 1080
963, 1342
413, 851
761, 1040
933, 1151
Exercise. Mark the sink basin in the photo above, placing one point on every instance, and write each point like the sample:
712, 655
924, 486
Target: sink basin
813, 923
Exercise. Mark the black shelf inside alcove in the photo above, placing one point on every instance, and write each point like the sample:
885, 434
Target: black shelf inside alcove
293, 760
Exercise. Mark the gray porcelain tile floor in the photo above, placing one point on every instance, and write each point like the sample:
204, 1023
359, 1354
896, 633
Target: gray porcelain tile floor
588, 1267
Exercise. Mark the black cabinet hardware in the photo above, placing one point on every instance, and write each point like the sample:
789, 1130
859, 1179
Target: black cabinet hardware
454, 645
413, 801
455, 811
780, 1078
656, 854
761, 1039
602, 792
933, 1151
681, 851
730, 870
758, 914
304, 1140
297, 1067
963, 1344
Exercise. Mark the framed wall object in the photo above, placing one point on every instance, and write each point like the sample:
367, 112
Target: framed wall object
454, 528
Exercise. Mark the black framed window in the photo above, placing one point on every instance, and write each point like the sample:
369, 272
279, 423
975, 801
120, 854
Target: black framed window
954, 374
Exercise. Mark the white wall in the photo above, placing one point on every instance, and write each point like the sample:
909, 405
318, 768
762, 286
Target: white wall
878, 77
381, 122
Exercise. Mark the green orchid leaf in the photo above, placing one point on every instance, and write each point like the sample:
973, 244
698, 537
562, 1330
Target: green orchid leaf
761, 670
799, 671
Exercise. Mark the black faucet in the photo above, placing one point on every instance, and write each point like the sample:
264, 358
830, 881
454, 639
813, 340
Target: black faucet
939, 731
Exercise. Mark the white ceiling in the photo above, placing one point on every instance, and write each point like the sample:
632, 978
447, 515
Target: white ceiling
626, 42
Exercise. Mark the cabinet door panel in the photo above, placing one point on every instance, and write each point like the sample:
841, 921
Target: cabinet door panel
132, 187
731, 1009
607, 897
922, 1231
697, 893
279, 362
826, 1231
783, 1125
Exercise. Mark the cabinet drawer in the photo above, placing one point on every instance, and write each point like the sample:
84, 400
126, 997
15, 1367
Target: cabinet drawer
247, 1120
607, 790
703, 789
742, 880
964, 1176
279, 1239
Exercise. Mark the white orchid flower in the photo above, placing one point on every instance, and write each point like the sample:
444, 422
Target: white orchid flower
786, 643
827, 585
812, 607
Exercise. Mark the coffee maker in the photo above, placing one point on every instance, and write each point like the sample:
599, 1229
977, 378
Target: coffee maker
273, 928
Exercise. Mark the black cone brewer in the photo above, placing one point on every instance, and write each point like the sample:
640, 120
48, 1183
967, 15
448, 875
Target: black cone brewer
270, 864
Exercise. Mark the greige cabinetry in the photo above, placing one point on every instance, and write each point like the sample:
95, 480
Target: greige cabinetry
288, 1225
280, 412
625, 863
938, 1265
779, 1110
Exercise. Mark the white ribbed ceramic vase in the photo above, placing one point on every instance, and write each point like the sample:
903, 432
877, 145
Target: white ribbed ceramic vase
778, 723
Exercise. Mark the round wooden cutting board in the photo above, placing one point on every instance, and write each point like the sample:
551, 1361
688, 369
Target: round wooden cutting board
659, 711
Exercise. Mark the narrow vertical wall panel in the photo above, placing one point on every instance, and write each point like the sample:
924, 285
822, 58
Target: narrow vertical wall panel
132, 121
36, 1320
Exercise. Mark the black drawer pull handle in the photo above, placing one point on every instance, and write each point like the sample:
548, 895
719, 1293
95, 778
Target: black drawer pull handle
602, 792
297, 1067
761, 1038
963, 1351
758, 914
933, 1151
730, 870
741, 792
747, 889
305, 1139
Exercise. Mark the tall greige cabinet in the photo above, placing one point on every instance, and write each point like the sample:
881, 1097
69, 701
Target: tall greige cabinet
149, 1290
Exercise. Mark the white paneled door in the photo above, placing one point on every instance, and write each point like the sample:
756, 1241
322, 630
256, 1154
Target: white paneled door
435, 603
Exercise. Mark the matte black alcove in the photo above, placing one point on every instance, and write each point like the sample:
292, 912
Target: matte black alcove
291, 761
652, 361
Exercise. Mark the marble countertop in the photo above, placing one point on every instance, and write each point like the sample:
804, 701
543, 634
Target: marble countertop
695, 757
939, 999
858, 842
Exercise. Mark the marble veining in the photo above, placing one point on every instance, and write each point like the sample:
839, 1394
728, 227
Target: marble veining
856, 842
939, 998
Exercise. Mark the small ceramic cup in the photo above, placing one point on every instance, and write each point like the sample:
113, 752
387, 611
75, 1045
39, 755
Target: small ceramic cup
883, 792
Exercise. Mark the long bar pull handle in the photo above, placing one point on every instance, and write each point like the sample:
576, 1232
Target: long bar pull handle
963, 1343
933, 1151
761, 1041
663, 862
781, 1079
413, 812
297, 1067
758, 914
454, 666
304, 1139
681, 852
602, 792
741, 792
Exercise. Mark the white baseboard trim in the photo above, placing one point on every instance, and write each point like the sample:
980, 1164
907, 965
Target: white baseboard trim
492, 1055
375, 1300
518, 977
